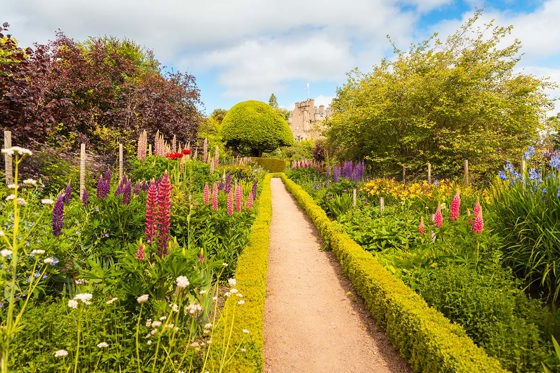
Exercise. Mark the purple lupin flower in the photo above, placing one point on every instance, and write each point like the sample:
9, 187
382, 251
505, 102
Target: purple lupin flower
102, 188
58, 216
126, 192
107, 176
227, 188
85, 197
137, 188
67, 193
221, 185
254, 189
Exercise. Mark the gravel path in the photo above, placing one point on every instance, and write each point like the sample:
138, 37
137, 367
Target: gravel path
313, 323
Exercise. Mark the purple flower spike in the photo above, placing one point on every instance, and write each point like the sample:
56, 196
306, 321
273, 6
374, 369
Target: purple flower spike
67, 193
58, 216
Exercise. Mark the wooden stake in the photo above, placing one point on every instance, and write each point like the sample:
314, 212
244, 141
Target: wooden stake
82, 169
429, 173
381, 204
121, 171
523, 168
8, 158
466, 172
354, 197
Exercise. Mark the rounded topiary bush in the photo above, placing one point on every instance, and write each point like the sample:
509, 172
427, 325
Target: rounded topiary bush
253, 127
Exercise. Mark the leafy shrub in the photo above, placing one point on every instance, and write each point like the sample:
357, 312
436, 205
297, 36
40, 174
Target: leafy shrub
494, 313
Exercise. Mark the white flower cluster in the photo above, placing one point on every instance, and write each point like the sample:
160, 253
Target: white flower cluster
143, 298
193, 308
182, 282
85, 298
37, 252
59, 353
6, 252
16, 149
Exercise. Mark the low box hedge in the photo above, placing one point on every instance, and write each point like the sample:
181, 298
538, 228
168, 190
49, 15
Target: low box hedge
252, 267
425, 338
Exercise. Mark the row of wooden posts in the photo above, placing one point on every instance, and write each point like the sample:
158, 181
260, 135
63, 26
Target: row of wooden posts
8, 164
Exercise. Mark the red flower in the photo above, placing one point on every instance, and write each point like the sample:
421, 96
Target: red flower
186, 151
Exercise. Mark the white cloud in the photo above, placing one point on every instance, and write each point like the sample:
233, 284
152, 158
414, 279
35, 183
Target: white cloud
258, 67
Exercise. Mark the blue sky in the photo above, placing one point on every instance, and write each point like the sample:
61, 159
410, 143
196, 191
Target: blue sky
247, 49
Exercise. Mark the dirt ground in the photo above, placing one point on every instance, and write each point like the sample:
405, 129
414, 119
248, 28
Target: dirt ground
313, 322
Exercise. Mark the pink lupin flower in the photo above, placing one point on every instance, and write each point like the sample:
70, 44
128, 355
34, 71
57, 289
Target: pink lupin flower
438, 218
477, 208
215, 197
151, 202
421, 226
206, 194
455, 206
230, 203
249, 203
201, 256
140, 253
478, 225
163, 217
238, 197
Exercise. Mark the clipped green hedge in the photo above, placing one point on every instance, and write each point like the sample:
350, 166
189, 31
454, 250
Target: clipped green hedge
271, 164
425, 338
252, 267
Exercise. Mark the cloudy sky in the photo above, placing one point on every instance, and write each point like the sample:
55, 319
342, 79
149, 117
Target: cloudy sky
248, 49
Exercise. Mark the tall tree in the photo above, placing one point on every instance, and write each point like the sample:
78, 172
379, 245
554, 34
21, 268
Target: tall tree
441, 102
272, 101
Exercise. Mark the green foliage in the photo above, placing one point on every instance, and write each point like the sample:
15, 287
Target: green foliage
496, 315
441, 102
299, 151
252, 127
424, 337
526, 214
271, 164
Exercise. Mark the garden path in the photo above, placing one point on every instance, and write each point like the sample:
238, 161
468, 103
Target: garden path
313, 323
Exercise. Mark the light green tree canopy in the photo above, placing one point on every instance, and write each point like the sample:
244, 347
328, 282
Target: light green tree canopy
441, 102
253, 127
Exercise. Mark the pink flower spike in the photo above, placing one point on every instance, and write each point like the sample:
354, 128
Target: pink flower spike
477, 207
151, 201
238, 198
438, 218
249, 203
206, 194
421, 226
230, 203
455, 206
140, 254
478, 225
215, 197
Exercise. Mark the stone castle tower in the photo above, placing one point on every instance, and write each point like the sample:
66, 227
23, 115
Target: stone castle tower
305, 120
